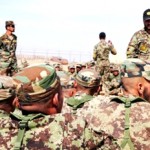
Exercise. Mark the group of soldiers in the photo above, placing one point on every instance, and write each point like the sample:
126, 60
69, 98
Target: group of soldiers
99, 105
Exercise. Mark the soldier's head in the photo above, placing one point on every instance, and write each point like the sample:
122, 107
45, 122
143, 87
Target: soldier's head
38, 89
88, 80
72, 69
10, 26
115, 70
102, 35
57, 67
146, 19
7, 94
135, 75
78, 67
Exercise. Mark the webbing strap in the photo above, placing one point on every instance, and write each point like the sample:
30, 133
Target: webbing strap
23, 124
128, 101
127, 138
22, 128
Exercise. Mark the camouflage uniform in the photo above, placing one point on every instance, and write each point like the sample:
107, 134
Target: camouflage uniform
60, 131
101, 56
8, 53
139, 46
126, 118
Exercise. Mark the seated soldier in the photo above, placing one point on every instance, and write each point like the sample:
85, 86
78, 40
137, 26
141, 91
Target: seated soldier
7, 125
127, 118
87, 86
41, 125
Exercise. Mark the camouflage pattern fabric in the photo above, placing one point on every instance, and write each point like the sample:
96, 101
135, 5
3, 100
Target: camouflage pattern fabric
7, 54
54, 132
102, 113
139, 46
8, 131
36, 83
135, 68
7, 88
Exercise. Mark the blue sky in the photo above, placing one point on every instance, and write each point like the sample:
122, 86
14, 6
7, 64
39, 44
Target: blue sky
70, 28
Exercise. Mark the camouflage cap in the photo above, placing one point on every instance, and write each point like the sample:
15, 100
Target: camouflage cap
116, 67
146, 14
135, 68
71, 67
88, 78
78, 65
9, 23
56, 65
36, 83
7, 88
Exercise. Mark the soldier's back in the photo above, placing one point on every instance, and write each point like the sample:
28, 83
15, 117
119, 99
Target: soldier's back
110, 115
60, 131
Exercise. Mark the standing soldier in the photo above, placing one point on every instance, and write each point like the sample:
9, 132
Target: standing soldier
101, 56
139, 45
8, 44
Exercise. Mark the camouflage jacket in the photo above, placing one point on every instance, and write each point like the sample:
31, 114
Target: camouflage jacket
7, 50
139, 45
52, 132
120, 120
102, 49
8, 131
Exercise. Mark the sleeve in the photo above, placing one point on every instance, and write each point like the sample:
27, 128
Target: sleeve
132, 47
95, 53
113, 50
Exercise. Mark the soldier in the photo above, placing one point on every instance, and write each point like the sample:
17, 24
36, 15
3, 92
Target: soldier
8, 44
101, 56
78, 67
114, 80
87, 86
39, 93
7, 125
127, 117
139, 45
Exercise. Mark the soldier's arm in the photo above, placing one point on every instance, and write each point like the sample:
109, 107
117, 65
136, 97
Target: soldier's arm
95, 53
113, 50
132, 48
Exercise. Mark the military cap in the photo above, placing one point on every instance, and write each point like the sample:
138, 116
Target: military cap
7, 88
78, 65
146, 14
56, 65
8, 23
88, 78
36, 83
135, 68
71, 67
116, 67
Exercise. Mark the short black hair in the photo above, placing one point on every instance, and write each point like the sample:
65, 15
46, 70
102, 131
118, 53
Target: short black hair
102, 35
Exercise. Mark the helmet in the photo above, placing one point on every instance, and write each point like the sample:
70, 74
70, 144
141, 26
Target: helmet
146, 14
